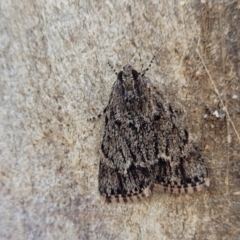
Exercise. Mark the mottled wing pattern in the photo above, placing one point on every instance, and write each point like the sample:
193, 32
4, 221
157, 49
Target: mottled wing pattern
180, 167
126, 163
144, 145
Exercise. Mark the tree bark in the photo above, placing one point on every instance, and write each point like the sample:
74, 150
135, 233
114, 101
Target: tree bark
54, 76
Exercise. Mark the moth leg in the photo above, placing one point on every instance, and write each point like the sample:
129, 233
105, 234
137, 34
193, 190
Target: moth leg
97, 117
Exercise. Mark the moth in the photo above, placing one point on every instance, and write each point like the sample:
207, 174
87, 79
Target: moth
144, 145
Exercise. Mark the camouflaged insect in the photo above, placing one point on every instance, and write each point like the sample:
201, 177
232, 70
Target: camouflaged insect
144, 144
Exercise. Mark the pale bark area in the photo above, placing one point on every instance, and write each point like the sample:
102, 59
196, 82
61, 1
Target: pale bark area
54, 76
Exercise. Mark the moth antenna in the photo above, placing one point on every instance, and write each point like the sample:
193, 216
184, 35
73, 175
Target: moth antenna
111, 66
149, 66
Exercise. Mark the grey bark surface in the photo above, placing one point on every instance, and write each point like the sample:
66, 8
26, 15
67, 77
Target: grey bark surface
54, 76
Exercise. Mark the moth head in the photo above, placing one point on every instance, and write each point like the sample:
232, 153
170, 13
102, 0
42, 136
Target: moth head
128, 75
129, 81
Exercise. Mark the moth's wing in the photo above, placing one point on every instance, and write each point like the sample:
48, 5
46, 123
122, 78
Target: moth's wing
125, 171
117, 186
180, 167
187, 174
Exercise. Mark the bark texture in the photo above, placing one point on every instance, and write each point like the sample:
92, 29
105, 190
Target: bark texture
54, 76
